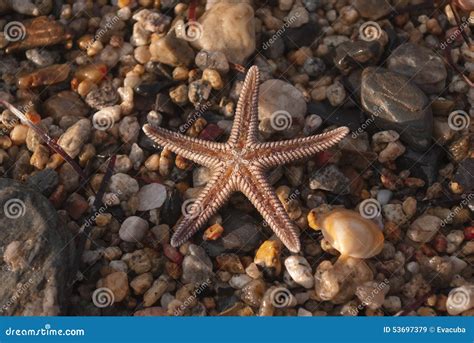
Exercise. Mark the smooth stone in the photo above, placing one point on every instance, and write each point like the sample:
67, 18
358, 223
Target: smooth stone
123, 185
75, 137
38, 261
384, 196
330, 178
151, 196
117, 283
171, 50
133, 229
212, 60
197, 266
421, 65
277, 96
397, 104
372, 9
241, 234
424, 228
65, 103
349, 55
229, 28
300, 271
44, 181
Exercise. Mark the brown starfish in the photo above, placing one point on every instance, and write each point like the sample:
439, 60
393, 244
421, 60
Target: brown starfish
240, 165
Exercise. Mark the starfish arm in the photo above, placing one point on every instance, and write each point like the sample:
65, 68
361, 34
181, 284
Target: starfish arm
260, 193
196, 212
273, 154
244, 129
203, 152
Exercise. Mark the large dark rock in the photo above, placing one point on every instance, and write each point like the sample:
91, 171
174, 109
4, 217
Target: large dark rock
423, 66
241, 233
397, 104
37, 254
340, 116
424, 165
464, 175
296, 37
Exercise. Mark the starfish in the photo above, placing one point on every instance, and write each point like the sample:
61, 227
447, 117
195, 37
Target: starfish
240, 165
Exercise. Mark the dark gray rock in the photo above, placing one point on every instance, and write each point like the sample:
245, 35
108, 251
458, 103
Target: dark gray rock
296, 37
423, 66
241, 233
197, 266
44, 181
65, 103
464, 175
330, 178
397, 104
340, 116
37, 254
423, 165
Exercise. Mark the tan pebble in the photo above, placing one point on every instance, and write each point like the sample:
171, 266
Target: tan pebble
88, 151
166, 162
152, 163
55, 161
116, 282
319, 93
141, 283
214, 78
182, 163
85, 87
179, 95
112, 253
40, 157
180, 73
142, 54
91, 72
409, 206
18, 134
5, 142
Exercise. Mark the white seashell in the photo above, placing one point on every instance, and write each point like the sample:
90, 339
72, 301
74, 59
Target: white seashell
460, 299
351, 234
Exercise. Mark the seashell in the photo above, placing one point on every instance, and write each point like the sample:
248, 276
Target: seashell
460, 299
351, 234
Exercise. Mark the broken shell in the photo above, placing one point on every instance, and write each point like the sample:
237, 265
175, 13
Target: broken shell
351, 234
460, 299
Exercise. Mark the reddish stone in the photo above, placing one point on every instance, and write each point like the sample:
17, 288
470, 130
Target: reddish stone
440, 244
76, 206
211, 132
58, 196
172, 253
469, 233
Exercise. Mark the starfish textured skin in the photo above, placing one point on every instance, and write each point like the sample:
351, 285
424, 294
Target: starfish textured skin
240, 165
